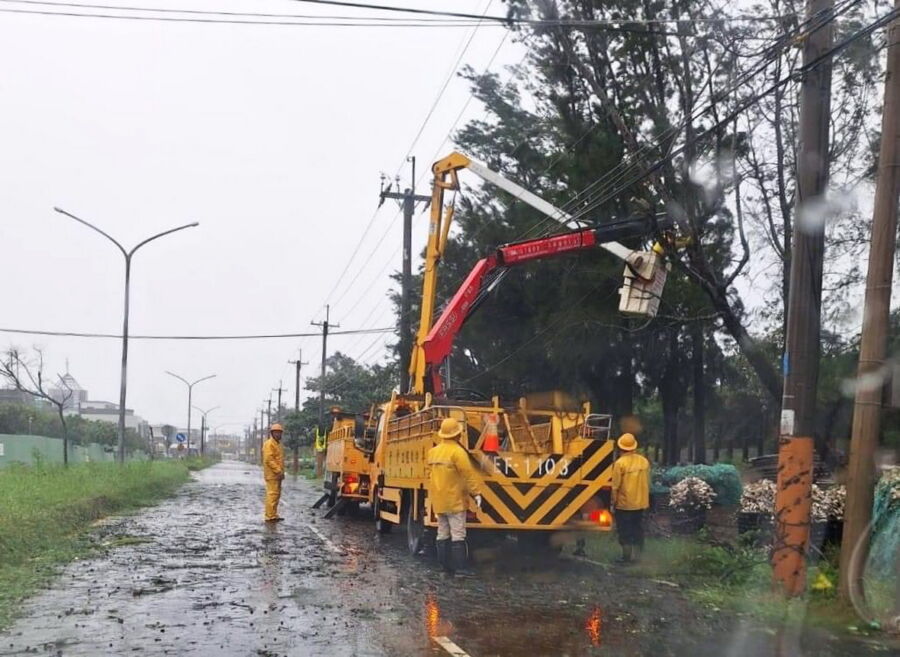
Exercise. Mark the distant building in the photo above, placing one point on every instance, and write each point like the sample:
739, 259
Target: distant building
14, 396
70, 390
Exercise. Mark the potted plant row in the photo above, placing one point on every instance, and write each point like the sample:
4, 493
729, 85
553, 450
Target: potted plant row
758, 508
690, 499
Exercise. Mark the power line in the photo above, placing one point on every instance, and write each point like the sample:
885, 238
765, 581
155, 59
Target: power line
263, 336
463, 49
613, 178
447, 80
232, 21
510, 20
312, 20
865, 31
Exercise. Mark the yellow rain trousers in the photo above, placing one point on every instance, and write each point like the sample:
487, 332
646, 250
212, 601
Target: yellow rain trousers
273, 473
450, 477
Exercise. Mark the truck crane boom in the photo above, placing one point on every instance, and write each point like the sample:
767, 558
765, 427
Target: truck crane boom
487, 273
645, 272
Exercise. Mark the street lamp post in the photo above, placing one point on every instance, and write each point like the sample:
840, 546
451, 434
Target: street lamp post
190, 387
120, 455
204, 425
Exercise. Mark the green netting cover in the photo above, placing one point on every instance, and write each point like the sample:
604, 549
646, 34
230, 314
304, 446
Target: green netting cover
884, 547
723, 477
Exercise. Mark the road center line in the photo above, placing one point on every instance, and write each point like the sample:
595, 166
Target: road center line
450, 647
327, 541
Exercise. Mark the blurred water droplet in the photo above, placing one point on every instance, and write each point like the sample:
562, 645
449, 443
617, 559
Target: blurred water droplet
816, 213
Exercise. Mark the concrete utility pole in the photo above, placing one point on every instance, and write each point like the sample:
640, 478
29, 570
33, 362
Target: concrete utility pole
871, 373
299, 363
407, 199
802, 342
259, 436
268, 414
279, 390
325, 326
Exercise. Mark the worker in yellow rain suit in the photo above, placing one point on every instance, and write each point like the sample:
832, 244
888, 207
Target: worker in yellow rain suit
321, 450
451, 478
630, 496
273, 471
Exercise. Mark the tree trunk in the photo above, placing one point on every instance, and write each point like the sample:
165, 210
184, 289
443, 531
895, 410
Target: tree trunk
65, 429
699, 396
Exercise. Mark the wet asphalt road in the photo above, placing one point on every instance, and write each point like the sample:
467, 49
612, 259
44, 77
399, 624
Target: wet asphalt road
202, 575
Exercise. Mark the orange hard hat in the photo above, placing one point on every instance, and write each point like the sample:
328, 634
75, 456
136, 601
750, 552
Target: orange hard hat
276, 427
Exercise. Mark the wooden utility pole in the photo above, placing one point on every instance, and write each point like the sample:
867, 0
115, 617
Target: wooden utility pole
407, 199
299, 363
325, 326
871, 373
802, 342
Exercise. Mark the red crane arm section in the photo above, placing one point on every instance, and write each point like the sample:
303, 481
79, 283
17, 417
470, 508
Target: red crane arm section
440, 339
545, 247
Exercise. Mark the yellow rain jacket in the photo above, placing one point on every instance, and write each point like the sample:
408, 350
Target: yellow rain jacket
631, 482
450, 477
273, 459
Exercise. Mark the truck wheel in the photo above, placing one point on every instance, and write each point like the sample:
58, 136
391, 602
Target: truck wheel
382, 526
415, 532
332, 494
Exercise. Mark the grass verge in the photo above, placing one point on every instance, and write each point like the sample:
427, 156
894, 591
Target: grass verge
46, 511
735, 579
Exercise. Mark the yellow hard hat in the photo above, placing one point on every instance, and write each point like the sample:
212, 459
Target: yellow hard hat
276, 427
627, 442
450, 428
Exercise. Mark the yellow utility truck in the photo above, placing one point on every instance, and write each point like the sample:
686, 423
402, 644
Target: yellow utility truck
544, 463
347, 460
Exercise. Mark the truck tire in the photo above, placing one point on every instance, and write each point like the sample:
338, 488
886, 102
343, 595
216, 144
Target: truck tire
332, 494
415, 532
382, 526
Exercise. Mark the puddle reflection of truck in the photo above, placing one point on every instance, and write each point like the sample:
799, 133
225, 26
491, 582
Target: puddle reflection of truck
545, 463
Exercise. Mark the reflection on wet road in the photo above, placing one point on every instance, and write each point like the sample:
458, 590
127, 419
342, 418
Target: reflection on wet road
212, 579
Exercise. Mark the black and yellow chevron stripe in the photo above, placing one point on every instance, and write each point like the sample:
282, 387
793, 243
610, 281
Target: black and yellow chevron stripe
542, 499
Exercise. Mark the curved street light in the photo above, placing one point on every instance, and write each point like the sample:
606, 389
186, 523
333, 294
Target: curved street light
190, 387
204, 425
120, 455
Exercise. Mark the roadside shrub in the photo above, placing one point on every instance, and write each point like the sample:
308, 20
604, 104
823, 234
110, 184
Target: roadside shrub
691, 494
734, 566
722, 477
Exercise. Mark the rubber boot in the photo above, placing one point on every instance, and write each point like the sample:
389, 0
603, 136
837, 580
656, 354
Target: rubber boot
460, 557
627, 552
444, 556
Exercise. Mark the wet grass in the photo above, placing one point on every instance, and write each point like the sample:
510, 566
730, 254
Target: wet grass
47, 510
734, 579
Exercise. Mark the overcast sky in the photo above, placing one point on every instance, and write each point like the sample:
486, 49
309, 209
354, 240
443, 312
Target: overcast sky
273, 138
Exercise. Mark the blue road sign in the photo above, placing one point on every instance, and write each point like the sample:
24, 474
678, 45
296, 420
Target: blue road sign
180, 437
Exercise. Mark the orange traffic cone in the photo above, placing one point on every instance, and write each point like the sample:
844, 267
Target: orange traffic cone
491, 441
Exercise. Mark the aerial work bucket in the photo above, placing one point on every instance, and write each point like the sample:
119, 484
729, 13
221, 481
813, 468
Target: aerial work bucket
645, 278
